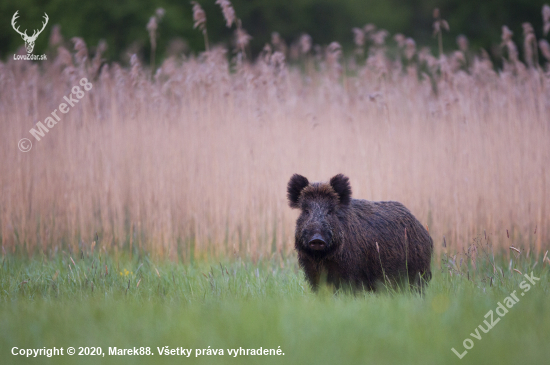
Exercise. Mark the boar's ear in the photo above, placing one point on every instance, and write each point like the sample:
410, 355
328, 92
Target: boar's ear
341, 186
295, 186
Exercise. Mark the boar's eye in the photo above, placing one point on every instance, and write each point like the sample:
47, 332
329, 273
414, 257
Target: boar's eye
306, 210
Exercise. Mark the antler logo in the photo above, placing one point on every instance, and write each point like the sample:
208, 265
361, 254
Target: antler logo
29, 41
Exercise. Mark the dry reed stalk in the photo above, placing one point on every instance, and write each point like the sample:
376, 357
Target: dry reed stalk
242, 38
199, 17
439, 25
228, 12
278, 43
546, 19
359, 40
152, 27
509, 44
530, 45
545, 49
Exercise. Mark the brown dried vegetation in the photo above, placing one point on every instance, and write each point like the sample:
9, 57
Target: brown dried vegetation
195, 160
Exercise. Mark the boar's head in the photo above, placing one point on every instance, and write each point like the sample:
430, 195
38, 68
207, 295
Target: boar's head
323, 209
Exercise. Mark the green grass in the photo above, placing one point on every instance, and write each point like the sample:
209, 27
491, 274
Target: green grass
49, 301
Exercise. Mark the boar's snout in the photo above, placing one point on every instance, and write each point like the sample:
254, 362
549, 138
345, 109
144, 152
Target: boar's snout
317, 242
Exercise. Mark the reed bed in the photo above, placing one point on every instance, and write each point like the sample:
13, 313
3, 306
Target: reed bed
193, 160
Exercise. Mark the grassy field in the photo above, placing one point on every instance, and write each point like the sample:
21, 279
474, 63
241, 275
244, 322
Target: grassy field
107, 301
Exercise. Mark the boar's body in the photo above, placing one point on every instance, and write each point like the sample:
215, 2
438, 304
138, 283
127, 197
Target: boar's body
358, 243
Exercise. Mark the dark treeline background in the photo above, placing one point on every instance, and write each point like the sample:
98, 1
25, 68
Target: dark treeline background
122, 23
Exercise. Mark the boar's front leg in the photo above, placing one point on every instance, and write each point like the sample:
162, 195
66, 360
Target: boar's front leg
311, 270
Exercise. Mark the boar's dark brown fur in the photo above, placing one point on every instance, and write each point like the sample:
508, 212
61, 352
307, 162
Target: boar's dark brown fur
356, 243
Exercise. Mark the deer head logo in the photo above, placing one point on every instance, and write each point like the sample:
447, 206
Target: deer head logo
29, 41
